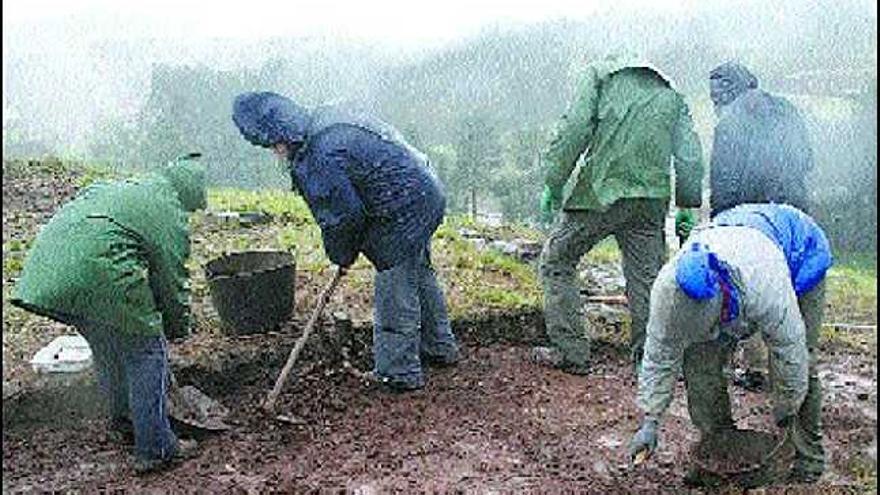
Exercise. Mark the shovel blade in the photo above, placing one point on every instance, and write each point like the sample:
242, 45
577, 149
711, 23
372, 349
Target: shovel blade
192, 407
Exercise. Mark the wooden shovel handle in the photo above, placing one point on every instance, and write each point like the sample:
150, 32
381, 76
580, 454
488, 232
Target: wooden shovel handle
269, 404
613, 299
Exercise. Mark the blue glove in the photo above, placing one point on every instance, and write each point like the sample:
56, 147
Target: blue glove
646, 438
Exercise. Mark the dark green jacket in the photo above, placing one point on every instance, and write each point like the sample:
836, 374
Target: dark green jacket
629, 123
116, 255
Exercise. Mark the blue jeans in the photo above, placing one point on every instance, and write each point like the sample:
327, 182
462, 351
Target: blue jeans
133, 372
410, 321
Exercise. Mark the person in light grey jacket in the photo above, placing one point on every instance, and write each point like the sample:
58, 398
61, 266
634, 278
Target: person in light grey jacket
757, 268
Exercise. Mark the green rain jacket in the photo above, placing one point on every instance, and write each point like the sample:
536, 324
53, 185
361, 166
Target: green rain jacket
116, 255
630, 121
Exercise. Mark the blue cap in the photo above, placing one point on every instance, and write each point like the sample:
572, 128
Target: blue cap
694, 273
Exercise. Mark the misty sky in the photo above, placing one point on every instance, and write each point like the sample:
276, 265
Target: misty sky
395, 21
68, 64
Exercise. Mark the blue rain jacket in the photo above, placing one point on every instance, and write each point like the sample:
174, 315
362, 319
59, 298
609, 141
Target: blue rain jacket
368, 189
761, 151
803, 242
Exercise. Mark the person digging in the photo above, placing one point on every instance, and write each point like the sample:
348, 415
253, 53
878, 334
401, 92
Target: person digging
370, 192
754, 268
111, 262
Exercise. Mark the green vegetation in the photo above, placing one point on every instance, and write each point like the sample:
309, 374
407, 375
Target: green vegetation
279, 203
14, 252
89, 173
851, 298
12, 265
606, 251
852, 293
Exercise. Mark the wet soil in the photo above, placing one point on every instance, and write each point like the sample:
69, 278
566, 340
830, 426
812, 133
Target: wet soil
494, 423
29, 201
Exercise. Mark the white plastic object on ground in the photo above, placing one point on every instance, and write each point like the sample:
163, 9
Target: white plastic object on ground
65, 354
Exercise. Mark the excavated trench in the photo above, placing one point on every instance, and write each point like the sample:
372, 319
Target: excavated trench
222, 366
494, 423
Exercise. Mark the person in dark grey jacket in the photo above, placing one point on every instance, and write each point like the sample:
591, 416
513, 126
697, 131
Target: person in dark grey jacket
761, 154
762, 151
372, 193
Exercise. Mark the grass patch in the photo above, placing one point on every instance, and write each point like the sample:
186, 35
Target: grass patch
305, 242
14, 253
90, 173
852, 294
605, 252
282, 204
864, 472
12, 265
16, 245
500, 297
851, 297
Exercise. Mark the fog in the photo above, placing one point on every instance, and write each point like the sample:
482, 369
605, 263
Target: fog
83, 82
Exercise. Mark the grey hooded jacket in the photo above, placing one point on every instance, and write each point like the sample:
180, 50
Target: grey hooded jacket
761, 151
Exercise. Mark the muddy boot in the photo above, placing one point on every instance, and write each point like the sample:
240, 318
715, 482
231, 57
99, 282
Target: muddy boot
751, 380
552, 358
388, 385
441, 361
186, 449
121, 431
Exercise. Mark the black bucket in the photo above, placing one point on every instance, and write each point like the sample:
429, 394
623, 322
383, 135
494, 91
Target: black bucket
252, 291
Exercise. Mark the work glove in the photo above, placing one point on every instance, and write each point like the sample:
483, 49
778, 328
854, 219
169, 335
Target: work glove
645, 439
551, 202
684, 223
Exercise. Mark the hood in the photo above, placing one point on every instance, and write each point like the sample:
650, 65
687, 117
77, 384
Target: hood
188, 180
728, 81
266, 118
695, 275
616, 63
701, 275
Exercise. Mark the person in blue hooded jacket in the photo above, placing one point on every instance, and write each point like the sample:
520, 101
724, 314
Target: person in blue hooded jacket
372, 193
754, 268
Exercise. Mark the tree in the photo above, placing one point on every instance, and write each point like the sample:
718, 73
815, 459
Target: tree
189, 109
478, 156
518, 184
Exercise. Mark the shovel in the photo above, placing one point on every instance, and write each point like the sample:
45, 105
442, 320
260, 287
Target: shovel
269, 403
194, 409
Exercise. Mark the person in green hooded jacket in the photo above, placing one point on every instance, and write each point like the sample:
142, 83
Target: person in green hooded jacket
625, 125
111, 262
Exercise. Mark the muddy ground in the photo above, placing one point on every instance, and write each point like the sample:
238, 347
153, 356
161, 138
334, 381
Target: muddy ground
495, 423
